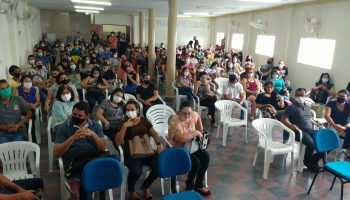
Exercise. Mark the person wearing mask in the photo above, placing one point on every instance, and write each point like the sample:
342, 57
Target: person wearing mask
62, 108
297, 117
39, 74
11, 110
79, 137
279, 84
108, 74
42, 57
323, 89
115, 61
73, 73
19, 189
95, 38
184, 83
15, 72
134, 125
234, 91
131, 79
52, 79
338, 117
30, 65
229, 70
147, 94
94, 60
283, 70
265, 69
183, 128
251, 87
213, 71
95, 87
206, 95
141, 56
86, 67
106, 54
111, 113
76, 52
162, 64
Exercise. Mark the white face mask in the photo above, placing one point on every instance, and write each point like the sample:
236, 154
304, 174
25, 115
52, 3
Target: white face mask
200, 70
231, 65
186, 73
66, 97
28, 85
117, 99
115, 56
131, 114
300, 100
87, 61
325, 80
73, 67
250, 75
32, 62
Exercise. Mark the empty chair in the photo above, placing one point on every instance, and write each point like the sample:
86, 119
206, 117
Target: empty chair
178, 97
159, 115
172, 162
327, 140
225, 108
102, 174
265, 128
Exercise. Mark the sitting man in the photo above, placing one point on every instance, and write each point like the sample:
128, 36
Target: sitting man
11, 110
298, 117
234, 91
78, 141
20, 189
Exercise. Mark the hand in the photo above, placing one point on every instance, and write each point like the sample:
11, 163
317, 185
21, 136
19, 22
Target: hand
295, 127
159, 149
279, 97
99, 86
199, 134
128, 123
13, 128
81, 133
27, 195
106, 125
46, 109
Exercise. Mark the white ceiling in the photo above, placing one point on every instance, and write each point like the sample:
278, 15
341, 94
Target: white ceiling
214, 7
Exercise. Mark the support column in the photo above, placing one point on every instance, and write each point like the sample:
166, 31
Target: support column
151, 41
135, 29
142, 29
171, 48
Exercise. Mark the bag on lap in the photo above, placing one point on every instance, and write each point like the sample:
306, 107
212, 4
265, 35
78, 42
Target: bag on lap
140, 147
200, 144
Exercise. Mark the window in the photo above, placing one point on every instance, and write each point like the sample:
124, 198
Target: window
265, 44
219, 37
316, 52
237, 41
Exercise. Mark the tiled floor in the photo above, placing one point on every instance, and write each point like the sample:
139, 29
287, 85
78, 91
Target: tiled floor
231, 174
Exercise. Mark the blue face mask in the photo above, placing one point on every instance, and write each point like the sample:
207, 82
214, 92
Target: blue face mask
275, 76
6, 92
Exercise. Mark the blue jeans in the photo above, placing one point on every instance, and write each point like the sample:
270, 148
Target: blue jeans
11, 137
246, 106
186, 91
27, 184
346, 144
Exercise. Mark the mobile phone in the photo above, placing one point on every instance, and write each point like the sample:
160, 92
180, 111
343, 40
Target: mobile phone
38, 193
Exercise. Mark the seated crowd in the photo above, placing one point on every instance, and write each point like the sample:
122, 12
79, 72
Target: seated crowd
77, 80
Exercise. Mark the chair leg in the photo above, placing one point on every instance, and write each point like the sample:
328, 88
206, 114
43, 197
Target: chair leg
313, 181
206, 179
110, 193
177, 104
218, 131
162, 185
267, 161
342, 190
255, 157
246, 133
301, 157
224, 134
50, 158
333, 183
291, 161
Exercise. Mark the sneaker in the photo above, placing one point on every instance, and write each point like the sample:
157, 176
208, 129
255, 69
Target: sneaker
340, 155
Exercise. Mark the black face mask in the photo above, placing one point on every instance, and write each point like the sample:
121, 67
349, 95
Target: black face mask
39, 66
341, 100
269, 62
65, 81
17, 75
77, 121
146, 82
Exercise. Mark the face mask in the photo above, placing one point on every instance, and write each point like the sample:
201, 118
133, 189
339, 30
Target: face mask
231, 65
66, 97
39, 66
234, 61
186, 73
115, 56
32, 62
184, 119
250, 75
6, 92
275, 76
300, 100
341, 100
96, 75
269, 62
87, 61
27, 85
280, 66
73, 67
324, 80
187, 60
65, 81
117, 99
77, 121
131, 114
17, 75
40, 54
200, 70
146, 82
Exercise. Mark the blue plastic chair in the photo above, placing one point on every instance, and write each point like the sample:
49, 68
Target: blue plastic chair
101, 174
172, 162
327, 140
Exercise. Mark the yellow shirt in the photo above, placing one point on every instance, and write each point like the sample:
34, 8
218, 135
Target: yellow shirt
12, 83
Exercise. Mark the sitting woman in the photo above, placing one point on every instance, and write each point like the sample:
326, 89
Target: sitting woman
73, 73
279, 85
183, 128
131, 79
337, 115
229, 70
134, 125
251, 86
322, 89
206, 95
62, 108
31, 96
95, 86
111, 113
269, 100
147, 94
184, 83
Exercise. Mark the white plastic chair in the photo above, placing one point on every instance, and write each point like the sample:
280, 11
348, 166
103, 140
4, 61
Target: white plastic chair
13, 156
50, 144
265, 128
178, 97
37, 125
159, 115
129, 97
159, 75
222, 82
225, 108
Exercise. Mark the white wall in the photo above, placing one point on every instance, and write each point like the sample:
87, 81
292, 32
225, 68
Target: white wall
287, 24
18, 38
113, 19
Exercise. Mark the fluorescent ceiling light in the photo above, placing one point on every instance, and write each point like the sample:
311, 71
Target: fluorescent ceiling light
88, 11
93, 2
88, 8
184, 16
263, 1
186, 13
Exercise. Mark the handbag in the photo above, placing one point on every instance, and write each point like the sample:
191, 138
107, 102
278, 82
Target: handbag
140, 147
200, 144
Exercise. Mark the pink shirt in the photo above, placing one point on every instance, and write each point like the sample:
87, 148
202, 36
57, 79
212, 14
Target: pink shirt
179, 127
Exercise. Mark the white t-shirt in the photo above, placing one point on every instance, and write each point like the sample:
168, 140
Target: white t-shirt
233, 90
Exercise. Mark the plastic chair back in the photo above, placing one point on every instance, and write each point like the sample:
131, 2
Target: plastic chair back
173, 161
222, 82
159, 115
173, 84
102, 174
226, 106
129, 97
326, 139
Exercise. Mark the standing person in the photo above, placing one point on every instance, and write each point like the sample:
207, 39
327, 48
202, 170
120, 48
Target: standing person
183, 128
134, 125
95, 39
113, 42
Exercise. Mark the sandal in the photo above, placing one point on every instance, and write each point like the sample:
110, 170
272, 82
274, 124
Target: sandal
203, 191
134, 196
147, 193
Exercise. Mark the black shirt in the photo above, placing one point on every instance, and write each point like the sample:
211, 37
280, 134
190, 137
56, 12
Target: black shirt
109, 75
145, 93
283, 71
262, 99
